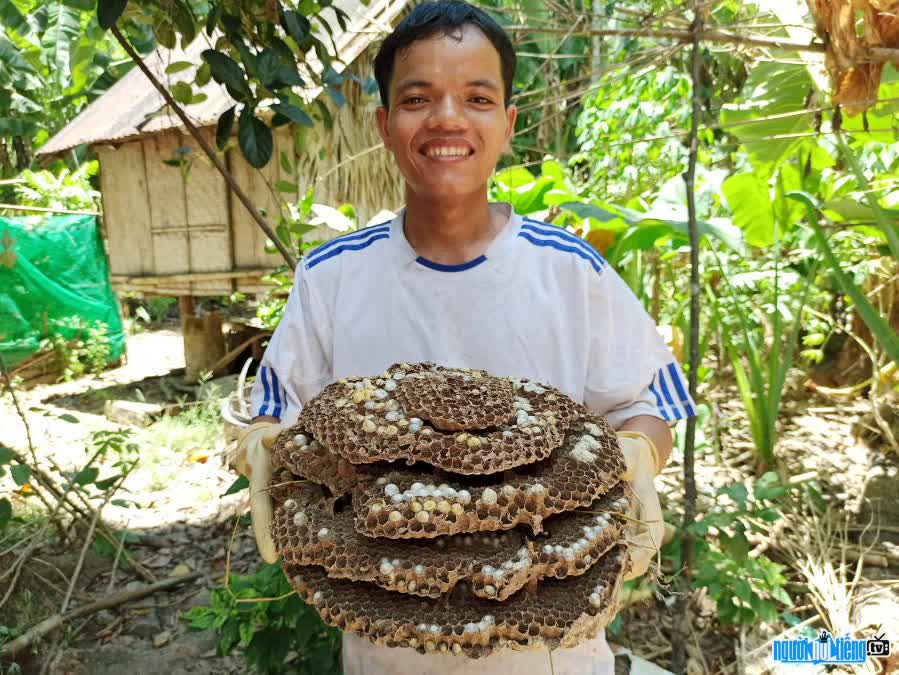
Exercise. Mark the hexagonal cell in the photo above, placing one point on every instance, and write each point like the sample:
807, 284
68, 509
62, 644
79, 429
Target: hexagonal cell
366, 419
308, 531
448, 554
558, 614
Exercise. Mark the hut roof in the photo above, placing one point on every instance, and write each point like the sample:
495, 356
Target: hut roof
132, 108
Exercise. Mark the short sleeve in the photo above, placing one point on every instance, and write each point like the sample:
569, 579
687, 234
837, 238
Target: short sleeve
631, 371
296, 365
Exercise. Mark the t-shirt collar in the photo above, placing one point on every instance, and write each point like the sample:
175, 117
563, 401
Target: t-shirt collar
408, 255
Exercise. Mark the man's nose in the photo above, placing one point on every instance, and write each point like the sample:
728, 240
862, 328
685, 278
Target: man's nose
448, 113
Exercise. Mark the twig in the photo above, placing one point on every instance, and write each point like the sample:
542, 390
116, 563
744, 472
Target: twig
681, 624
707, 35
19, 564
41, 629
206, 147
88, 538
83, 510
115, 562
15, 402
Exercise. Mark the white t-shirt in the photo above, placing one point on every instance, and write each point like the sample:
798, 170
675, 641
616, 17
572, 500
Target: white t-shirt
541, 303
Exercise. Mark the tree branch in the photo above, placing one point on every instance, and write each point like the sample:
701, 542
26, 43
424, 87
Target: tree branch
707, 35
206, 147
682, 613
41, 629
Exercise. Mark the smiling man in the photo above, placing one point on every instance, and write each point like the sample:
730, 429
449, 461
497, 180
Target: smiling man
461, 282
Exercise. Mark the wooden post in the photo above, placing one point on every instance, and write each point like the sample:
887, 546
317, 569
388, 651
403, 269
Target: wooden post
204, 342
186, 306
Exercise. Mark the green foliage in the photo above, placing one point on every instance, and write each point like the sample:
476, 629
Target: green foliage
155, 309
269, 626
293, 225
65, 190
613, 160
87, 353
879, 326
760, 328
257, 55
195, 431
115, 449
776, 93
746, 588
54, 59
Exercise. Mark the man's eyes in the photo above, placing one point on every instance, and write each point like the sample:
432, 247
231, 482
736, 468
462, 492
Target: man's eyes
418, 100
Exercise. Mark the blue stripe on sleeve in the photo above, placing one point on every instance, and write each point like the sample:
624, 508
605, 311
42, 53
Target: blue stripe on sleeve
556, 231
666, 392
266, 391
659, 404
276, 388
560, 247
677, 378
361, 234
345, 247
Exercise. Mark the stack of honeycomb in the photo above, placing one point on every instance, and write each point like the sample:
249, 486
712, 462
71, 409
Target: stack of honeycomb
448, 510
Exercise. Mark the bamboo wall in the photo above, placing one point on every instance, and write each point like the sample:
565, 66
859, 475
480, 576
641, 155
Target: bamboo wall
176, 230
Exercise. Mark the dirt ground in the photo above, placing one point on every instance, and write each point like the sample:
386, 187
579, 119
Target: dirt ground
183, 525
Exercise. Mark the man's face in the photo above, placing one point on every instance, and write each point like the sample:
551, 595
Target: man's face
447, 124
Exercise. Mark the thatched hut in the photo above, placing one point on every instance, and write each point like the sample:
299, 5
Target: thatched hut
172, 228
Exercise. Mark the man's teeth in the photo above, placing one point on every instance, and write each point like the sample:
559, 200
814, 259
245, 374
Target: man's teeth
447, 152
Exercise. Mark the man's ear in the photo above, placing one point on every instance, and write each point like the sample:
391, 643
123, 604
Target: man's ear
511, 117
381, 115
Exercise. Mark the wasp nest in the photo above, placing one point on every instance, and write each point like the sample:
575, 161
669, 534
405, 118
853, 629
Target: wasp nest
504, 527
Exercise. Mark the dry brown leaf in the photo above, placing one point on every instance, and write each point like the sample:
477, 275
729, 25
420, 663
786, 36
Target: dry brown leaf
601, 240
887, 23
858, 88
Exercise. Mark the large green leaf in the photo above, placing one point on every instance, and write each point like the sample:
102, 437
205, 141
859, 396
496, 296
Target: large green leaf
268, 65
59, 37
293, 113
749, 200
296, 25
84, 71
228, 72
15, 69
224, 127
772, 89
520, 188
21, 474
13, 20
109, 11
255, 138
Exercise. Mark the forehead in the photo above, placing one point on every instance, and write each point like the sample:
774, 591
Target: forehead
462, 55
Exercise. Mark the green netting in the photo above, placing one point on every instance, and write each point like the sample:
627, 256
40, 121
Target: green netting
54, 280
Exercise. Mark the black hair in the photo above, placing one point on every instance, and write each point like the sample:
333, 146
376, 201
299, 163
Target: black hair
442, 17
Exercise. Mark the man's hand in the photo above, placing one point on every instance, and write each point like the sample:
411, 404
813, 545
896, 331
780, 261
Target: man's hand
254, 461
644, 537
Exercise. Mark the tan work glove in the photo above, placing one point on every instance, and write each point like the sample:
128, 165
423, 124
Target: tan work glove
644, 537
254, 461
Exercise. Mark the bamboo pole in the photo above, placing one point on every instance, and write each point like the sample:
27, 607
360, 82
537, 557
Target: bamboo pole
43, 209
190, 276
206, 147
